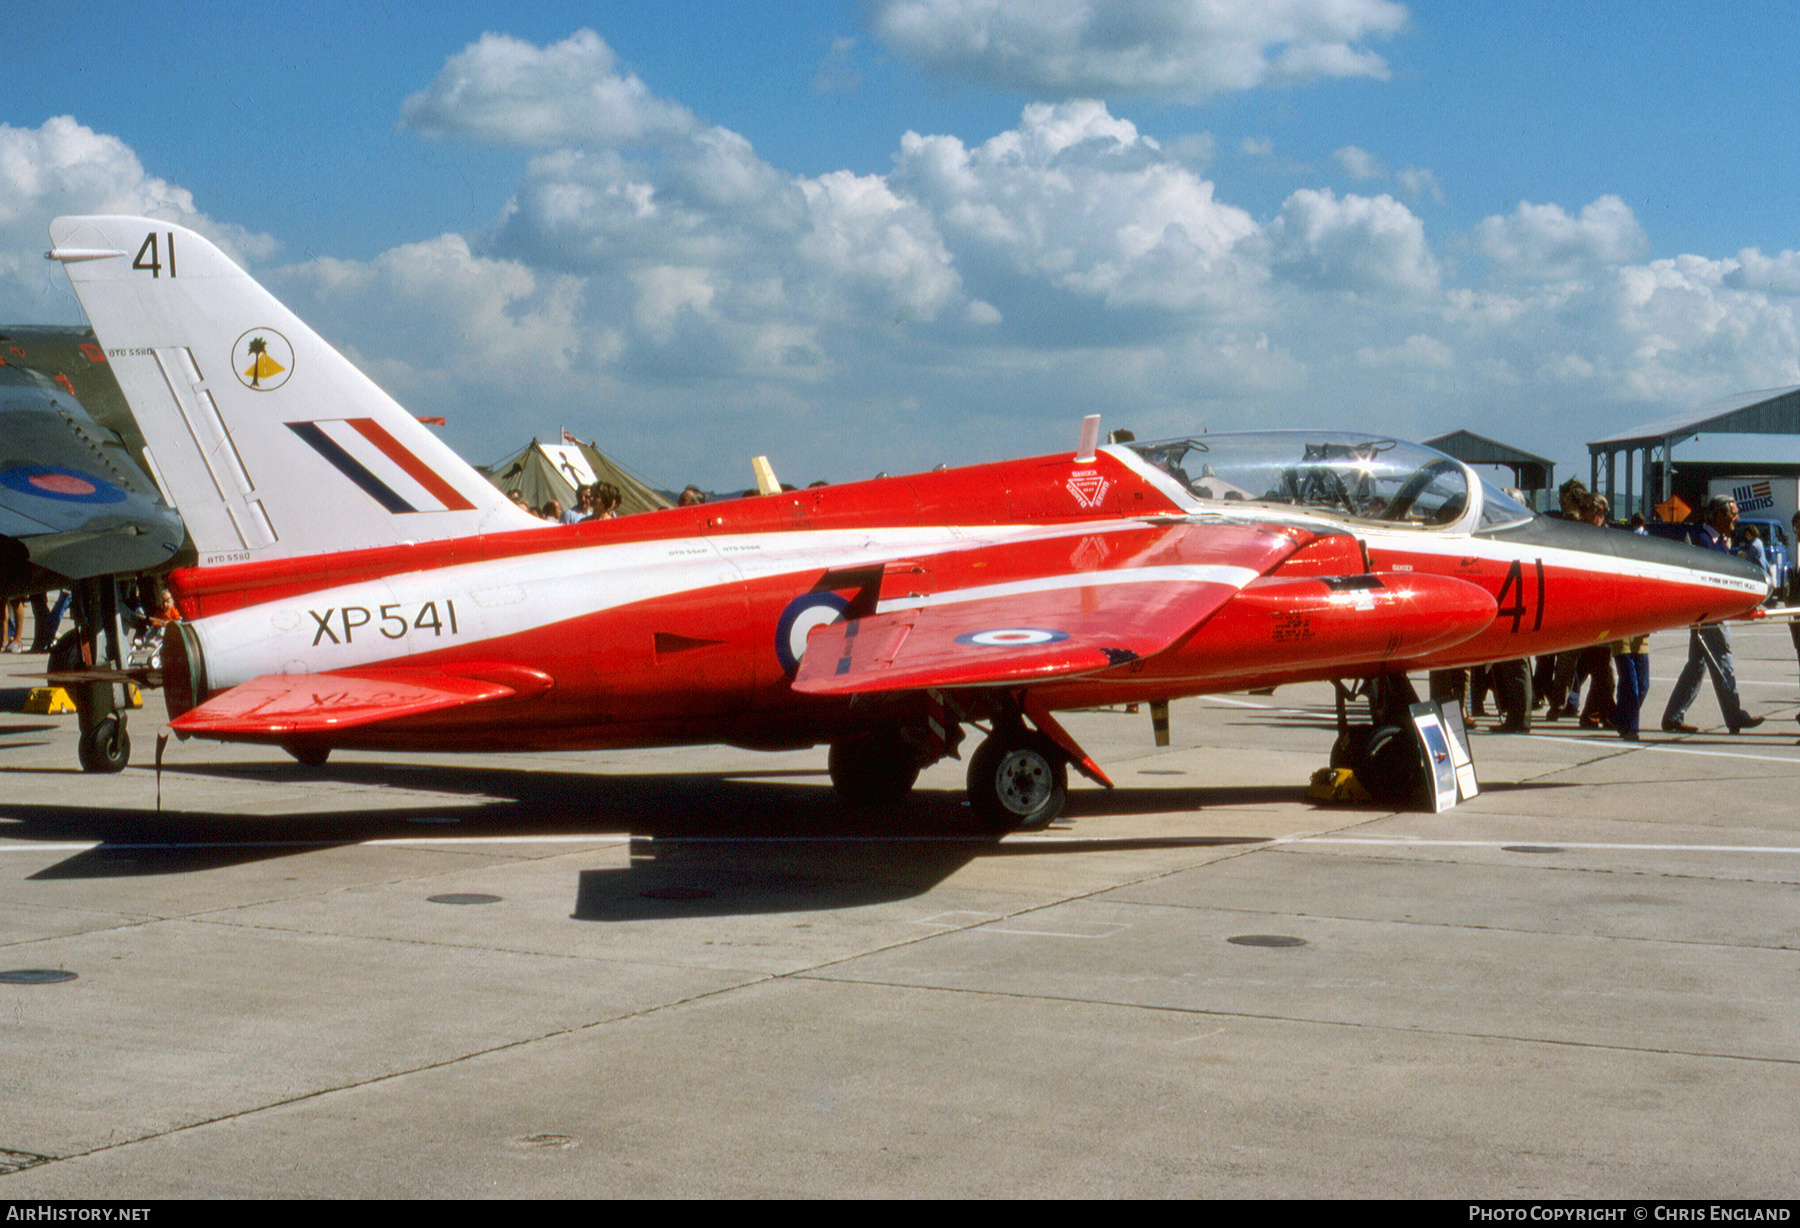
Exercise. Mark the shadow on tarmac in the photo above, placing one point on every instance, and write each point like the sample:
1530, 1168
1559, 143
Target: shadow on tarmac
701, 844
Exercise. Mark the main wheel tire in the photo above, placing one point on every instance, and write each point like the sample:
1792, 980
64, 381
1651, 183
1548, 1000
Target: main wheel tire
307, 754
879, 769
1018, 779
1351, 750
1394, 773
106, 747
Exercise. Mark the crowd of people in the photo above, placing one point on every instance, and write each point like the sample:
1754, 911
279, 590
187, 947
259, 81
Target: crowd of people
1617, 675
594, 501
47, 611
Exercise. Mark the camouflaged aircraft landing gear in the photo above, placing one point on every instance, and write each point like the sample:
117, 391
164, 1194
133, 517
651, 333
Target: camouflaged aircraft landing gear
96, 643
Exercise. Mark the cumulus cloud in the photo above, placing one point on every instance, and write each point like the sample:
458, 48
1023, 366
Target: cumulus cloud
63, 167
1070, 213
1069, 263
1179, 49
1075, 198
863, 234
1678, 327
1073, 261
707, 255
1777, 274
706, 199
505, 91
1661, 335
431, 320
667, 289
1359, 163
694, 279
1361, 244
1417, 181
1544, 241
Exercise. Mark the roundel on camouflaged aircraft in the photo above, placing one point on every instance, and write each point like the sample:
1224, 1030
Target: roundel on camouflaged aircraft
802, 615
60, 483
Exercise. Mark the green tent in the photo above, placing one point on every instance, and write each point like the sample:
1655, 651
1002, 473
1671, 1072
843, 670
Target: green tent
542, 472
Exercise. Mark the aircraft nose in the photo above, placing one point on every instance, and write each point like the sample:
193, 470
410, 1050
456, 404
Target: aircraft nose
1656, 575
1736, 576
1648, 582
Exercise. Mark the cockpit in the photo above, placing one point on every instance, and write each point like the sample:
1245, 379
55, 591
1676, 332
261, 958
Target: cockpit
1359, 477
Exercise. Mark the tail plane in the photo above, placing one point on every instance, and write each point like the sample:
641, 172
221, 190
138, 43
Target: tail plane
269, 442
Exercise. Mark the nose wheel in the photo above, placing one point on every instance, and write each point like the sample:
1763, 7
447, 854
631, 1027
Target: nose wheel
1018, 779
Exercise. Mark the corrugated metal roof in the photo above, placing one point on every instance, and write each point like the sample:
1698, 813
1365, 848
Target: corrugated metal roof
1771, 411
1480, 450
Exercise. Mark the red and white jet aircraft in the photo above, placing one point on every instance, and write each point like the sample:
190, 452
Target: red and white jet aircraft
359, 585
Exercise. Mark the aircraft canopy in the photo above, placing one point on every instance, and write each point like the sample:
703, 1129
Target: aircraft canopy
1360, 477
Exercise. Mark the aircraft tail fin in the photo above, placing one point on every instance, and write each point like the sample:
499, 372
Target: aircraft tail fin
269, 442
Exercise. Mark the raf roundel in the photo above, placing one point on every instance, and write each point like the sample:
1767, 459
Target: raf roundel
1013, 637
803, 614
56, 482
262, 360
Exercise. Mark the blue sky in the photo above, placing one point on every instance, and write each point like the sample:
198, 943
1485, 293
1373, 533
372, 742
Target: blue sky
877, 236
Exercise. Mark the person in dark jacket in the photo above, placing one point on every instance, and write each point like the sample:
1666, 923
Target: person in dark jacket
1709, 647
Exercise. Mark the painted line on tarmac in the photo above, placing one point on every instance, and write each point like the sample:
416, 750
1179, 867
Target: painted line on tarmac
18, 845
1104, 930
1411, 842
1324, 717
1640, 747
407, 842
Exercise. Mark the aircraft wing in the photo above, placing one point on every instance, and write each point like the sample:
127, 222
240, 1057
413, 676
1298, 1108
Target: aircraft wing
1055, 626
286, 705
72, 502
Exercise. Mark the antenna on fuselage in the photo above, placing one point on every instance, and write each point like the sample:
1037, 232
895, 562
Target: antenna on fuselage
1090, 438
766, 482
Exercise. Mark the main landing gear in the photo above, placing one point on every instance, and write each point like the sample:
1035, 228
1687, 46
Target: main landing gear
99, 643
307, 754
105, 745
1018, 778
877, 769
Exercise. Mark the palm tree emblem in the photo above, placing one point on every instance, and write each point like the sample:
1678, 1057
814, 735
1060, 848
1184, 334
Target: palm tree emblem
261, 364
